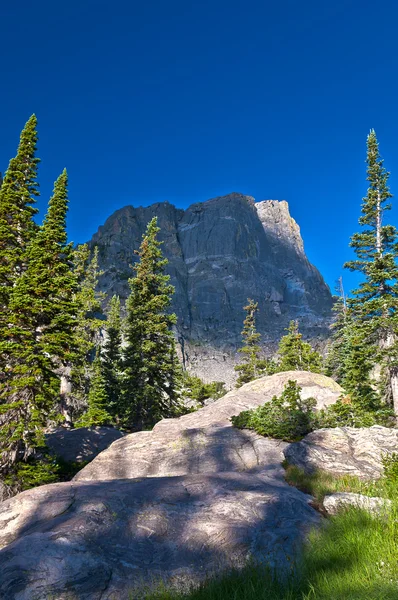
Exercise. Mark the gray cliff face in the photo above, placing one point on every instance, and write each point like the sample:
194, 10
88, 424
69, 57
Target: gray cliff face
220, 253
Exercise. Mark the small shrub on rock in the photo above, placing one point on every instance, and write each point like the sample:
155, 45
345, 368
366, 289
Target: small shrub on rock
347, 413
287, 417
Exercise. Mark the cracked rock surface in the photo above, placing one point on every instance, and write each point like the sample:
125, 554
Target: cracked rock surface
189, 499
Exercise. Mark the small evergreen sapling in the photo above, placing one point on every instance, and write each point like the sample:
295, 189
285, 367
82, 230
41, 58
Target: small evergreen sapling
297, 355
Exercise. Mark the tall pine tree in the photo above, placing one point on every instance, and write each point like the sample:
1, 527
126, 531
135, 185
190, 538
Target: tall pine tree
18, 194
151, 368
374, 306
111, 365
38, 338
253, 366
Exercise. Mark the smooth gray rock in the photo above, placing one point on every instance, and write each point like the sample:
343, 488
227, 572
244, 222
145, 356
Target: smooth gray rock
183, 502
205, 441
220, 253
344, 450
333, 503
104, 540
81, 444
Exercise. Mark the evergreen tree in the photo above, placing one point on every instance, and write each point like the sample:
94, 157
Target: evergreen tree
375, 302
339, 343
88, 323
97, 413
38, 336
297, 355
18, 194
253, 366
111, 358
151, 369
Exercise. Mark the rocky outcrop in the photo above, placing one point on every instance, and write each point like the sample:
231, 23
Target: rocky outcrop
187, 500
220, 253
205, 441
344, 450
333, 503
82, 444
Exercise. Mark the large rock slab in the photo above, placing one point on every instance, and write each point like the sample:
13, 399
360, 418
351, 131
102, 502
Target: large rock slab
82, 444
104, 540
210, 496
205, 441
344, 450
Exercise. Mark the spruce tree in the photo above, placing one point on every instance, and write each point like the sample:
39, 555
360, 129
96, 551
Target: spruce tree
151, 369
253, 366
18, 194
88, 324
38, 337
97, 412
111, 358
375, 302
297, 355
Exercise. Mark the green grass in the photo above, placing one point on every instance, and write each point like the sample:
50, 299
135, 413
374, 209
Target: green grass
353, 557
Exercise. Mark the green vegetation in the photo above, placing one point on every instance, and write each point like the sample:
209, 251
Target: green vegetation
295, 354
366, 333
193, 388
286, 417
354, 557
151, 371
253, 365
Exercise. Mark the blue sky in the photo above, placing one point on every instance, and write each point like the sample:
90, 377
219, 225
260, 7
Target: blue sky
183, 101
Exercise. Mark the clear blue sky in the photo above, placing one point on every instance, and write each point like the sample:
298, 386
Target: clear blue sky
184, 100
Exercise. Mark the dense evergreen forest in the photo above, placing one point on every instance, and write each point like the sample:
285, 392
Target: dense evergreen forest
67, 360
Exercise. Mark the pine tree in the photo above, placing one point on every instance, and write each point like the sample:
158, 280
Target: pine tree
37, 339
18, 194
88, 324
297, 355
97, 412
151, 368
339, 343
253, 366
111, 358
375, 302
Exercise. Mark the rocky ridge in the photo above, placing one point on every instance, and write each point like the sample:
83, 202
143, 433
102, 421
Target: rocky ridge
220, 253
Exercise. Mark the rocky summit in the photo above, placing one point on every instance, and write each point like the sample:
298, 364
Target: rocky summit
220, 253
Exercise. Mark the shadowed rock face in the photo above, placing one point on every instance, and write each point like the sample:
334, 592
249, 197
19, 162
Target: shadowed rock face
220, 253
182, 502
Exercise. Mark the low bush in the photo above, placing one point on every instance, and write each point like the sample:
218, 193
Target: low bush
287, 417
346, 413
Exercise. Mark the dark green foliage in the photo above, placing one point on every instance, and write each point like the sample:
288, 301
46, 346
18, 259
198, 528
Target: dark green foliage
286, 417
97, 412
18, 194
297, 355
348, 413
195, 389
253, 366
88, 322
38, 337
111, 360
151, 369
374, 305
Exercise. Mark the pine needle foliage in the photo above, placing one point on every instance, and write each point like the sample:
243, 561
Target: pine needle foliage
18, 194
111, 359
39, 333
374, 306
151, 369
297, 355
253, 366
97, 413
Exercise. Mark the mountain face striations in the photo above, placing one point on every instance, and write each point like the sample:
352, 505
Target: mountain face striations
220, 253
